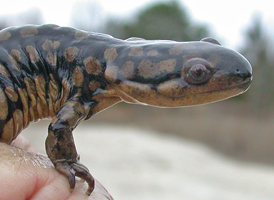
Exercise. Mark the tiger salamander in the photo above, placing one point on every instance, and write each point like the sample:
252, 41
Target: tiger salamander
69, 75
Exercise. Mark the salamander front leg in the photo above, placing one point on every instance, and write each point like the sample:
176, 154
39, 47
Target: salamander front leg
60, 145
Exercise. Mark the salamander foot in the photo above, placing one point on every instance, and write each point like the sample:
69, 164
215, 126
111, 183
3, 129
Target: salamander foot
70, 170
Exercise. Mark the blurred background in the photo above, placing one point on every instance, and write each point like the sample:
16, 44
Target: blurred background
141, 152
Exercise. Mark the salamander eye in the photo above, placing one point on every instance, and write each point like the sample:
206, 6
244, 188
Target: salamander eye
197, 71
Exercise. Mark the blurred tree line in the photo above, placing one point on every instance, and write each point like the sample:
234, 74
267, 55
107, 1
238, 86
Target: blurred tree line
258, 49
160, 21
170, 20
31, 16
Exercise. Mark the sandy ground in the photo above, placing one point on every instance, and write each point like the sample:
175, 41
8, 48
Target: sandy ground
136, 164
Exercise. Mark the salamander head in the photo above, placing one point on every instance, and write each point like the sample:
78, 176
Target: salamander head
174, 74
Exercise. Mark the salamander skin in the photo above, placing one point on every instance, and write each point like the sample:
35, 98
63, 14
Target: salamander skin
69, 75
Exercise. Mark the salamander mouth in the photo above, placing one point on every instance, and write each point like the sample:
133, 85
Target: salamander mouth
243, 86
173, 94
238, 88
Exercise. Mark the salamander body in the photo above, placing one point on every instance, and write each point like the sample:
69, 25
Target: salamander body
69, 75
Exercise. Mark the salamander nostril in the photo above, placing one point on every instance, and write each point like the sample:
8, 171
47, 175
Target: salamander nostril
245, 76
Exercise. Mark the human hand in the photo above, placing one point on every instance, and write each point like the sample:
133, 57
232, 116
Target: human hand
28, 175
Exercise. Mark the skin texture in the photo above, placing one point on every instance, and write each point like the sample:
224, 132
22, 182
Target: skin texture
70, 75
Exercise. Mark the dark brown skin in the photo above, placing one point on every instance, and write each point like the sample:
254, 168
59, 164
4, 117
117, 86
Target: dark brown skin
69, 75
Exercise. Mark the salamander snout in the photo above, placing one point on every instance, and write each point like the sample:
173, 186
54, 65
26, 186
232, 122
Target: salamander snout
244, 73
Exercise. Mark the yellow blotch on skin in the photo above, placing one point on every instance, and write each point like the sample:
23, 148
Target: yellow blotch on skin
81, 35
40, 85
111, 54
77, 77
170, 88
4, 35
14, 64
52, 58
15, 58
53, 92
147, 69
39, 108
92, 65
11, 94
177, 49
3, 105
4, 71
17, 122
132, 92
70, 53
152, 53
8, 132
16, 55
42, 106
31, 90
33, 54
53, 87
49, 44
66, 90
28, 32
24, 99
135, 51
94, 85
127, 70
111, 73
33, 115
